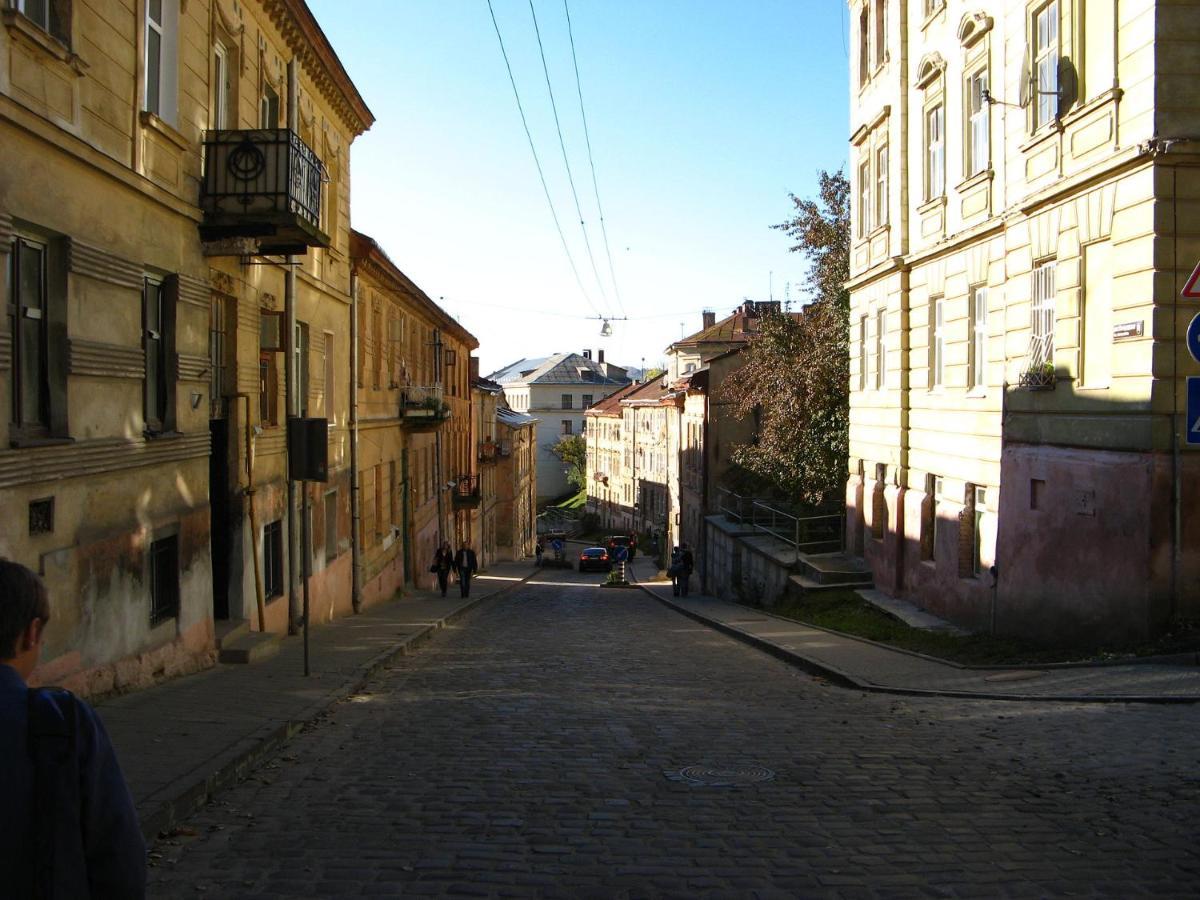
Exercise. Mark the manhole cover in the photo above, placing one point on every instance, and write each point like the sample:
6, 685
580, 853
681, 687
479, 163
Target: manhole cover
722, 776
1022, 675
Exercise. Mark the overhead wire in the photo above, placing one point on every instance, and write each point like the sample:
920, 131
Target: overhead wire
591, 162
537, 161
566, 161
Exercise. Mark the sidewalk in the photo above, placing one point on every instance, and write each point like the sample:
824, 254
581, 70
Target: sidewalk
858, 663
182, 740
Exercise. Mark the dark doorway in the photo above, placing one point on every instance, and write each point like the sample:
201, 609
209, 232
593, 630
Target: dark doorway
220, 532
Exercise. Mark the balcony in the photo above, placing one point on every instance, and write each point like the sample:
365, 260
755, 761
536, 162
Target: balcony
422, 407
261, 193
488, 451
466, 492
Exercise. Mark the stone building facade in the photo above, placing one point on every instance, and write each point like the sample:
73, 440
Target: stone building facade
1023, 178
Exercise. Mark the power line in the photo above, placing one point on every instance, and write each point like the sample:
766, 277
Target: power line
596, 187
566, 162
537, 162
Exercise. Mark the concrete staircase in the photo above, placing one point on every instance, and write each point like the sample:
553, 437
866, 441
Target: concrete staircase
828, 572
237, 644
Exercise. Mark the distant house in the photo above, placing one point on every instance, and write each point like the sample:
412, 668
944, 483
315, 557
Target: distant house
557, 390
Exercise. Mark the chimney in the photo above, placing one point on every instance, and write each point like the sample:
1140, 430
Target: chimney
600, 356
474, 368
709, 318
587, 354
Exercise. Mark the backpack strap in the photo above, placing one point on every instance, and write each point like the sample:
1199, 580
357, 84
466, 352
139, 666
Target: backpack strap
53, 739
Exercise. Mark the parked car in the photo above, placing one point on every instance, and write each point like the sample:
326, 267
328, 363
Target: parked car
595, 559
613, 541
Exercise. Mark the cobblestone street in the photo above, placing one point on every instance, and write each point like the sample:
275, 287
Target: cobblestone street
536, 749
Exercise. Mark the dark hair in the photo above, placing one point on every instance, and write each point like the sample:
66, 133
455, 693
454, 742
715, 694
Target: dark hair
23, 598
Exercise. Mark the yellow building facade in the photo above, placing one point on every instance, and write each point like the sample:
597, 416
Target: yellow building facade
1025, 195
132, 360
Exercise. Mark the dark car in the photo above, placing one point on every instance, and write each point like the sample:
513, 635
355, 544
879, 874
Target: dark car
596, 559
621, 540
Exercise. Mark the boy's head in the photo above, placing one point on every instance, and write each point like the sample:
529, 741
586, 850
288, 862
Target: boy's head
24, 612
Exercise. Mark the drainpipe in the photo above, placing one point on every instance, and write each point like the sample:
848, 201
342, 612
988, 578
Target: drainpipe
704, 492
355, 549
291, 392
258, 579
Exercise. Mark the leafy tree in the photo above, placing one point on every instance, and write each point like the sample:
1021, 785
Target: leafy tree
573, 452
796, 376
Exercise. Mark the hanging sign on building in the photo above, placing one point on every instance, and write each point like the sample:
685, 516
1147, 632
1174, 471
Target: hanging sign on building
1191, 290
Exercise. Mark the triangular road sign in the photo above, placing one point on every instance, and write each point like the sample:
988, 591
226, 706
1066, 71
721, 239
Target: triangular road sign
1191, 290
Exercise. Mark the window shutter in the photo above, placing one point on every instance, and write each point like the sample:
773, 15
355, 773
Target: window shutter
56, 335
170, 289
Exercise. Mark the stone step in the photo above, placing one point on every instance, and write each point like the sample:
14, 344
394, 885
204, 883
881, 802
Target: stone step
250, 648
835, 569
804, 584
910, 614
229, 630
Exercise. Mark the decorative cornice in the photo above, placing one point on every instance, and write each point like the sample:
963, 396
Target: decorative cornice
85, 259
82, 459
105, 360
929, 68
307, 41
973, 27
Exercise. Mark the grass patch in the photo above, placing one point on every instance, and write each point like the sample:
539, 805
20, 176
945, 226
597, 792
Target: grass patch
844, 610
575, 501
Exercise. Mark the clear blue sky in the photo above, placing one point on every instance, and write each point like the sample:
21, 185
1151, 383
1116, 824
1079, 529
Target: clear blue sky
703, 116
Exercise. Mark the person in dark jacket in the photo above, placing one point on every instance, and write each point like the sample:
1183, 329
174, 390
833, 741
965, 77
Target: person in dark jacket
465, 565
687, 562
69, 827
443, 564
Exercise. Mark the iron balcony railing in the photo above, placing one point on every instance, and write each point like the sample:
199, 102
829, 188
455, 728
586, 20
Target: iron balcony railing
466, 490
261, 183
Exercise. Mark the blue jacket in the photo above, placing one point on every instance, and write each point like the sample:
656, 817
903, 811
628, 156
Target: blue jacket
93, 845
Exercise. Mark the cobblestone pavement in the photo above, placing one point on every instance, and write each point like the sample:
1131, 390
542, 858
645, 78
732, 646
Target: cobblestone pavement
535, 750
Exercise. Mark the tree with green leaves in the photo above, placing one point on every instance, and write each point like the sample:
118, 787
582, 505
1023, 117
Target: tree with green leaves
795, 380
572, 451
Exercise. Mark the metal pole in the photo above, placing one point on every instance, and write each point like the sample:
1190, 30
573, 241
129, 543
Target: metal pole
304, 564
355, 550
291, 393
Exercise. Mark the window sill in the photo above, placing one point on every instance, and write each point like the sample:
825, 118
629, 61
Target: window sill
976, 393
933, 14
977, 179
1112, 95
878, 230
21, 28
169, 434
1043, 135
163, 128
27, 441
938, 202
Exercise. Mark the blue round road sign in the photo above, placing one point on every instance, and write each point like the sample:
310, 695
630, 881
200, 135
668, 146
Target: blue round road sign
1193, 337
621, 553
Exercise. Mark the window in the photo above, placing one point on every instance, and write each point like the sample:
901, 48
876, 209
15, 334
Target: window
978, 125
52, 16
937, 342
864, 198
928, 517
300, 365
393, 496
881, 349
568, 401
270, 342
272, 550
862, 353
162, 17
880, 32
980, 504
935, 152
331, 529
586, 401
567, 427
939, 488
977, 348
1041, 334
381, 510
330, 379
28, 312
222, 88
158, 323
864, 51
164, 580
1097, 314
268, 114
881, 186
1045, 64
376, 347
41, 516
218, 329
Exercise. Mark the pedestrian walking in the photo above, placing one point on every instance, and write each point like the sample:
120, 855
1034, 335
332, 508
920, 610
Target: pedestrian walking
538, 550
687, 563
69, 827
675, 569
465, 565
443, 564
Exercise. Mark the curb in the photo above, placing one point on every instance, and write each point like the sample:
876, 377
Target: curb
844, 679
180, 799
